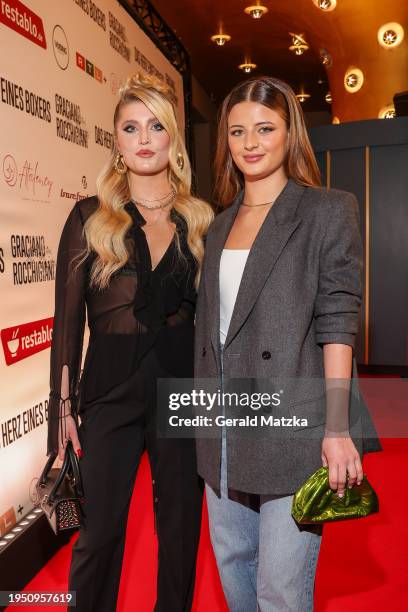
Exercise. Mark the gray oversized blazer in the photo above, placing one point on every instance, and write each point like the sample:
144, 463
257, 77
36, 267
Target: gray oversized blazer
301, 289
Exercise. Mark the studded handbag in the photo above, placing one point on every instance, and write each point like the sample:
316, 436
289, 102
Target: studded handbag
60, 492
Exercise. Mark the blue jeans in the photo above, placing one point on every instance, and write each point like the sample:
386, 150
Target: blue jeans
265, 561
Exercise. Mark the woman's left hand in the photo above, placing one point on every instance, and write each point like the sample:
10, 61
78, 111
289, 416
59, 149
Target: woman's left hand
342, 458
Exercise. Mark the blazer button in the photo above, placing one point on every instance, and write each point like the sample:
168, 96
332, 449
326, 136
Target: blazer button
204, 352
266, 355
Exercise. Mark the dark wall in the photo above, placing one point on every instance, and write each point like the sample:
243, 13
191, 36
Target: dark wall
370, 159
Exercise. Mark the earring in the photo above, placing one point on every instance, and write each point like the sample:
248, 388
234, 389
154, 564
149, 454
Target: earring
180, 161
119, 164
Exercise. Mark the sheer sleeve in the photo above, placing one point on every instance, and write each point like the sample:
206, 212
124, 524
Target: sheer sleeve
186, 309
69, 321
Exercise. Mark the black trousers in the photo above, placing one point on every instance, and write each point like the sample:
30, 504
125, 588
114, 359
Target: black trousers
114, 432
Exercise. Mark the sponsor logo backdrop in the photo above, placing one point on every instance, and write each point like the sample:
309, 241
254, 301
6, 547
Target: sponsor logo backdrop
61, 66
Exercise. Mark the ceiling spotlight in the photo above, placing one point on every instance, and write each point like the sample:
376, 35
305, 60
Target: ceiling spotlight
388, 112
325, 5
247, 67
256, 11
326, 58
353, 80
390, 35
389, 38
299, 45
328, 97
302, 97
220, 39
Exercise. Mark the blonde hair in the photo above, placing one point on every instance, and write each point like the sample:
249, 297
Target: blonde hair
106, 228
300, 162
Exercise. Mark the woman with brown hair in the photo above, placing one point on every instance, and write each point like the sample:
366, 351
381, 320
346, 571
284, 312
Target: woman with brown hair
130, 257
278, 303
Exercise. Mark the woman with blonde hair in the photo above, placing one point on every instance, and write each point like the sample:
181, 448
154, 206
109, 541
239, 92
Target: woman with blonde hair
278, 304
130, 258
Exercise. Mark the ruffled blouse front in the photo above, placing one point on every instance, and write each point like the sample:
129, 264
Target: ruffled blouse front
141, 309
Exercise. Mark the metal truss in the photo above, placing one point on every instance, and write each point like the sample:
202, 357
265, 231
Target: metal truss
147, 17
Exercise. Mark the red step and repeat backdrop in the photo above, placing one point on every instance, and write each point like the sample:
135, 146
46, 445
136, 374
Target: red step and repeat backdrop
61, 64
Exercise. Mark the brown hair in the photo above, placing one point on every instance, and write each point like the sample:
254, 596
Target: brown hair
300, 163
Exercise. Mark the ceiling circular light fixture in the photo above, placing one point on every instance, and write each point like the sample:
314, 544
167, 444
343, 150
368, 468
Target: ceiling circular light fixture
325, 5
299, 45
387, 112
220, 39
256, 11
328, 97
302, 96
390, 35
353, 80
247, 67
326, 58
335, 121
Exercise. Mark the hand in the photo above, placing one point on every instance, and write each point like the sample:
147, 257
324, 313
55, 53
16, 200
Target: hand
342, 457
71, 433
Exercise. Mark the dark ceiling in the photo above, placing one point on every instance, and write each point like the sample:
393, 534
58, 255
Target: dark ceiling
264, 41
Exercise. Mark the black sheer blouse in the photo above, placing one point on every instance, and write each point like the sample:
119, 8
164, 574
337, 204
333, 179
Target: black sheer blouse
141, 309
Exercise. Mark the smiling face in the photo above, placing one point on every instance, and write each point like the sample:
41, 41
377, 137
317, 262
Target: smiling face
257, 140
142, 140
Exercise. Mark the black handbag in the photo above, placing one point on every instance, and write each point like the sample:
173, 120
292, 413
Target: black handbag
60, 493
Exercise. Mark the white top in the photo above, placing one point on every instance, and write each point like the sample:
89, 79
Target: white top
232, 264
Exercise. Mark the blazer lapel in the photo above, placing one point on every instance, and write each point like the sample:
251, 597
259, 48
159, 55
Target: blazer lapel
274, 234
212, 272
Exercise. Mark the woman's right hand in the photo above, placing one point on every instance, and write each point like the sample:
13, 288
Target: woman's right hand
70, 432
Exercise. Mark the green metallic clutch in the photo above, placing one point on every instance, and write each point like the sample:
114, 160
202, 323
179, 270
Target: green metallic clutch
316, 502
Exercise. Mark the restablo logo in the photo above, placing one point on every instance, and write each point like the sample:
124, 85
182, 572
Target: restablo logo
60, 47
18, 17
22, 341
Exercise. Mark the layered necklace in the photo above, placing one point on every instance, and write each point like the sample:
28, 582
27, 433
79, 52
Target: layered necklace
165, 201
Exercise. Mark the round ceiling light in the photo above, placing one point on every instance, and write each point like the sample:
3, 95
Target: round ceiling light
388, 112
325, 5
302, 96
328, 97
299, 45
353, 80
247, 67
220, 39
326, 58
390, 35
256, 11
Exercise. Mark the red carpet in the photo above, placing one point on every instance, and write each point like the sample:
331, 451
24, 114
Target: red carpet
363, 566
